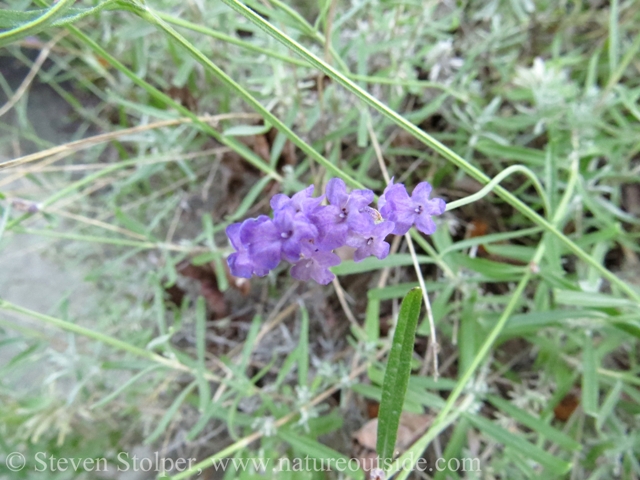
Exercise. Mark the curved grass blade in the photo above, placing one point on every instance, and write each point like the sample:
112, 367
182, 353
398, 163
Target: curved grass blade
396, 376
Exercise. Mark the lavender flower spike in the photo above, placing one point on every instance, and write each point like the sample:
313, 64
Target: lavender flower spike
396, 205
305, 233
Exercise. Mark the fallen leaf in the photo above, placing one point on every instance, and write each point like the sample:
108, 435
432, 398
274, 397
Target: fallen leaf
205, 276
184, 96
412, 425
566, 407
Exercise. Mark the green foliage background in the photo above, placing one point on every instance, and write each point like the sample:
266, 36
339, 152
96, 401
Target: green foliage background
541, 97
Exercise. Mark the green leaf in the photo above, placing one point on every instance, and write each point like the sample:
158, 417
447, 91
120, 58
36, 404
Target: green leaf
201, 333
19, 24
246, 130
131, 224
372, 320
204, 258
315, 449
530, 451
591, 299
349, 267
303, 348
171, 412
219, 268
396, 377
535, 424
589, 377
516, 252
134, 379
512, 153
12, 19
609, 404
489, 268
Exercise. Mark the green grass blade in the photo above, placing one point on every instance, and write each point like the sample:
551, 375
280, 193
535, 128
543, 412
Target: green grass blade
589, 377
536, 424
530, 451
396, 377
317, 450
303, 347
609, 404
170, 413
201, 342
133, 380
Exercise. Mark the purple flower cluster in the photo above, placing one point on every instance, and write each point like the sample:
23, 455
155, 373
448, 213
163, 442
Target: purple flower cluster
304, 232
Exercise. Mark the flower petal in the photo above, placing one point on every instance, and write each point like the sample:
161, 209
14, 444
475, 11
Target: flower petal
337, 192
425, 224
421, 193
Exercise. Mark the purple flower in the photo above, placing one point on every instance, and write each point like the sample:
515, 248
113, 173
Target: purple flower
240, 263
301, 202
345, 211
316, 267
396, 205
282, 236
371, 242
294, 229
304, 232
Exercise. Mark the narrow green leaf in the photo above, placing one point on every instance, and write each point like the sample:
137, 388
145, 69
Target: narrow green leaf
168, 416
516, 252
591, 299
204, 258
315, 449
396, 377
249, 343
34, 25
350, 267
614, 37
372, 320
134, 379
246, 130
131, 224
512, 153
454, 446
609, 404
528, 450
536, 424
491, 238
221, 274
201, 335
303, 347
489, 268
15, 18
468, 334
589, 377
